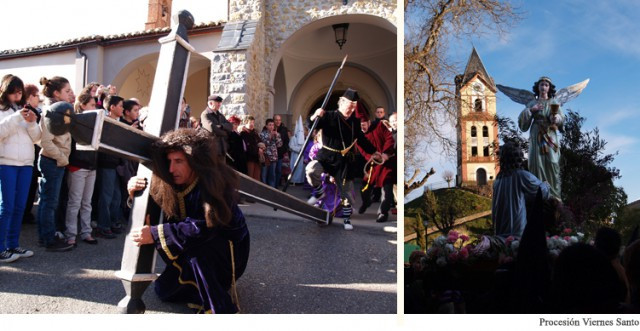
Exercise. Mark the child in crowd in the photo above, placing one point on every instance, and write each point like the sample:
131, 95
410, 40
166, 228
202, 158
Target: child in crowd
18, 132
54, 157
81, 180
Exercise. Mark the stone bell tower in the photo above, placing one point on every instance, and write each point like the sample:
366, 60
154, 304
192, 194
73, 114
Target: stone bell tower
477, 129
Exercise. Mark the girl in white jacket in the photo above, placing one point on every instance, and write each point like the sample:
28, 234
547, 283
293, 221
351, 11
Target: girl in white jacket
18, 132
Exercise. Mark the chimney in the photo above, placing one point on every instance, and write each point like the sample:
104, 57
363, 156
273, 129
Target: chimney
159, 15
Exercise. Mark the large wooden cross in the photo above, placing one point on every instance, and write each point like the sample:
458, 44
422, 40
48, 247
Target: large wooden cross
93, 130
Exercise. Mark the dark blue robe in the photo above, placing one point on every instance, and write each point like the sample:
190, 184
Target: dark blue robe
199, 268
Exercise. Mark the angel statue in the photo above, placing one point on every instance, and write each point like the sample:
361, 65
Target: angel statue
543, 117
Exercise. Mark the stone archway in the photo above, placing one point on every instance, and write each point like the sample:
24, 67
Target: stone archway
312, 90
304, 66
136, 80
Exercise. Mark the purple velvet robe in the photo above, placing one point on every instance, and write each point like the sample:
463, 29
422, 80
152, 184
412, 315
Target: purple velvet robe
199, 268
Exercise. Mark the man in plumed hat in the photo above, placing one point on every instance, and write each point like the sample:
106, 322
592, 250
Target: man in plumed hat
340, 133
215, 123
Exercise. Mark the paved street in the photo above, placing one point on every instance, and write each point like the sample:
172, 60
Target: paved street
295, 266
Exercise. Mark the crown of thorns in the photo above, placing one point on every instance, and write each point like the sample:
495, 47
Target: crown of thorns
182, 139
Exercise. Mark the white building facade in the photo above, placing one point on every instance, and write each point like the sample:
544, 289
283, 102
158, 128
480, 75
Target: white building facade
280, 58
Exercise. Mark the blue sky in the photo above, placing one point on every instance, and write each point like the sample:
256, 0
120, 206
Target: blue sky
131, 16
570, 41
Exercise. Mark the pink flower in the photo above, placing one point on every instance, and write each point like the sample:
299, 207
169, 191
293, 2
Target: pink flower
567, 238
567, 230
464, 237
464, 252
555, 237
453, 236
453, 256
510, 239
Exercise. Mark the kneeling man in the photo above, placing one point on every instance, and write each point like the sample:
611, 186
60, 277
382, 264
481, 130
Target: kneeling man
204, 239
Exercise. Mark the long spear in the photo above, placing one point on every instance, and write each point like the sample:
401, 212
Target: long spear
315, 122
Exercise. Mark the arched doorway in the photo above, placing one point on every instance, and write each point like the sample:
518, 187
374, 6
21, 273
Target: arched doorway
305, 64
481, 177
136, 80
332, 104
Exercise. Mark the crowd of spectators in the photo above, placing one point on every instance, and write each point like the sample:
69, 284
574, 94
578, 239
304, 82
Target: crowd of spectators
82, 193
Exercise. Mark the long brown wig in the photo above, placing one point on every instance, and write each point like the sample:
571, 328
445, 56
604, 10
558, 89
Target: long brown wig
217, 181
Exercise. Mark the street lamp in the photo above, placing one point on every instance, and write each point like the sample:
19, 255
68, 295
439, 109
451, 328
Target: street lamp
341, 33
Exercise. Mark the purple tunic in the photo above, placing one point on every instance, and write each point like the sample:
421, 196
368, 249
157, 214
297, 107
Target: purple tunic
199, 268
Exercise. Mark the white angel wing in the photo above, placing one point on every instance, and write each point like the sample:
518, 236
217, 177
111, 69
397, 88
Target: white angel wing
522, 97
570, 92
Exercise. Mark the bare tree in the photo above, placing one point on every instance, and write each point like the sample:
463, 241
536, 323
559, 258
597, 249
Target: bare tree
430, 95
448, 176
412, 184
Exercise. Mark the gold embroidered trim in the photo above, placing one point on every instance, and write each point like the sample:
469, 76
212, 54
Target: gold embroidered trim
195, 306
235, 298
183, 282
163, 242
181, 195
199, 308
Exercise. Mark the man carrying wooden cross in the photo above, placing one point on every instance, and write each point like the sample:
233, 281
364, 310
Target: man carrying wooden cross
209, 273
204, 239
340, 133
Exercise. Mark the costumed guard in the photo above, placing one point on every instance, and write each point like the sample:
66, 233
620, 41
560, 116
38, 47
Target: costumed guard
379, 175
204, 239
340, 133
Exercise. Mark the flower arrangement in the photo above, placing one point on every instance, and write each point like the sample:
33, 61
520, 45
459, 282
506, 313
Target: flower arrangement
509, 251
568, 237
456, 247
449, 249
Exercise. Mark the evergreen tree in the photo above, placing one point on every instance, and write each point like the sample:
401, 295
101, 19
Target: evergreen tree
587, 175
421, 233
429, 207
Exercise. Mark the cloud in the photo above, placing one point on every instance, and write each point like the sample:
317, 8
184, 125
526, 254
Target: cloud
623, 144
610, 119
608, 25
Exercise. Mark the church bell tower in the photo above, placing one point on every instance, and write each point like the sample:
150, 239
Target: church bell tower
477, 128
